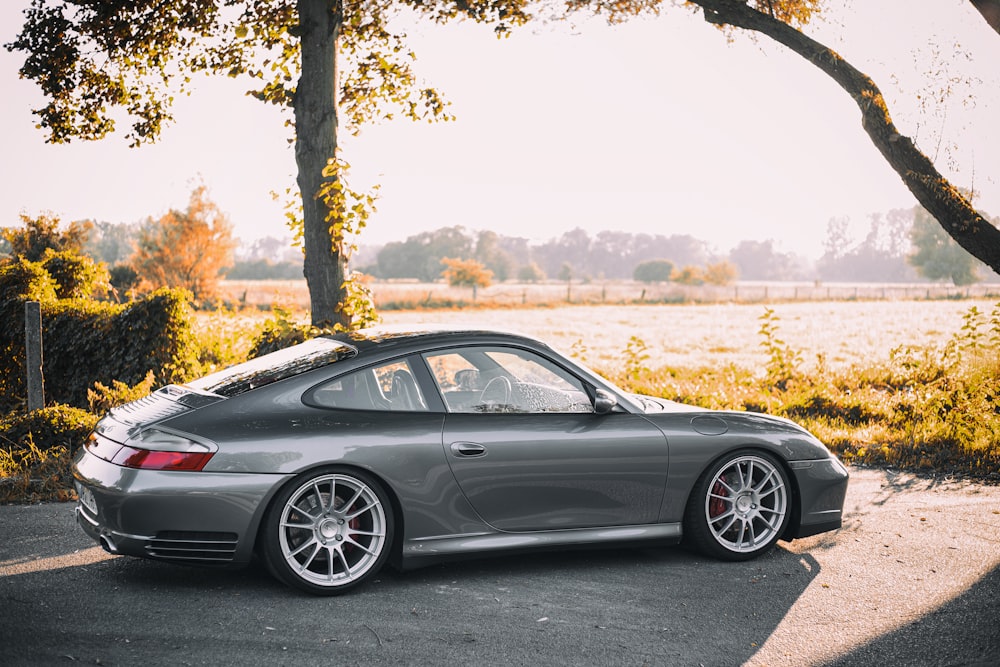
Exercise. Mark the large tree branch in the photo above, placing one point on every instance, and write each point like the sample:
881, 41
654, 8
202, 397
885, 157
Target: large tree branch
941, 199
990, 9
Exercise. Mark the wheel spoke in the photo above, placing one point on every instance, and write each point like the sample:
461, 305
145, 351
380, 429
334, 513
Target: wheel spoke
302, 547
361, 511
351, 540
764, 481
772, 490
368, 533
333, 495
347, 506
722, 481
770, 524
729, 524
343, 563
743, 530
747, 481
753, 533
330, 573
319, 496
305, 513
303, 566
725, 499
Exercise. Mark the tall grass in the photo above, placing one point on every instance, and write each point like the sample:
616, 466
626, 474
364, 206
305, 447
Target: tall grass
931, 408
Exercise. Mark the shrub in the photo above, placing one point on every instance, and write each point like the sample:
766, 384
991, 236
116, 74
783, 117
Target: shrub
31, 474
282, 331
88, 341
20, 281
688, 275
55, 426
77, 276
102, 398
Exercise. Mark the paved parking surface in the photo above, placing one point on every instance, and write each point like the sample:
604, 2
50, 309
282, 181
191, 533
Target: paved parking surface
912, 578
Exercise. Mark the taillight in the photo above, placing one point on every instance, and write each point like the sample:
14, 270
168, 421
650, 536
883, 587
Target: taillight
159, 450
148, 459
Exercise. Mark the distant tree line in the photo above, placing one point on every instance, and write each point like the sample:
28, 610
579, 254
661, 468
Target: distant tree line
608, 255
904, 245
194, 249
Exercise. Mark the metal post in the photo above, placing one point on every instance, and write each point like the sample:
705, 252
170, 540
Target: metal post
33, 354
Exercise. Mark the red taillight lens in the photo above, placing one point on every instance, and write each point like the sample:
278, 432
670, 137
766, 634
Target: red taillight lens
147, 459
161, 450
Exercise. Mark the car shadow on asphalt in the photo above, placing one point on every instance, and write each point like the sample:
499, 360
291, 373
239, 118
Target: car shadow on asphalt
658, 606
620, 606
965, 631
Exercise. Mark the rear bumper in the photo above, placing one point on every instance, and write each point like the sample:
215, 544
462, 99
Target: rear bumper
192, 517
822, 488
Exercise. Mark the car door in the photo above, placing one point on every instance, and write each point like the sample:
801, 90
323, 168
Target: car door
529, 452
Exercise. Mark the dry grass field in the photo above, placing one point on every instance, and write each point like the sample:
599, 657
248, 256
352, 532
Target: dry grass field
691, 336
405, 295
687, 335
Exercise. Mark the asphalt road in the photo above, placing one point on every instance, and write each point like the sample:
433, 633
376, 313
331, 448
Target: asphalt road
913, 578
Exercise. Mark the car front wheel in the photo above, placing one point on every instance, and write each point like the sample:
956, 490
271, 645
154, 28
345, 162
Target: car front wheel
328, 531
739, 507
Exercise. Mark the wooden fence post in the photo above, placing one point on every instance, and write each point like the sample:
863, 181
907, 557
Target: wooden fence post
33, 354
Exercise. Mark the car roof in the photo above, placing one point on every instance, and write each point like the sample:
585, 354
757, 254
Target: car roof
429, 335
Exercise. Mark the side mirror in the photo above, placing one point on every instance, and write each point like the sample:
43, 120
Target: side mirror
604, 402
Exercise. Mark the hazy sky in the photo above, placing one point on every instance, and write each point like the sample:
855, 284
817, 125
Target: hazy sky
656, 126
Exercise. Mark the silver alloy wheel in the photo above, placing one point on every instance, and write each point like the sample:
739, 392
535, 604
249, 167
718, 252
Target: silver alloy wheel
746, 504
332, 530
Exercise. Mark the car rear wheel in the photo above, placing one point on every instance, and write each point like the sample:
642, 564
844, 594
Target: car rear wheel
328, 531
739, 507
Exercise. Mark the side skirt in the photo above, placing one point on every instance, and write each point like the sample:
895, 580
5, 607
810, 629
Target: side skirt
423, 551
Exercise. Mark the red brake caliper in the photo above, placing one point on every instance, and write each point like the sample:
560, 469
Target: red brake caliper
717, 506
353, 524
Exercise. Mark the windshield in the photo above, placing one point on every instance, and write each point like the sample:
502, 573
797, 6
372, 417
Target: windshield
275, 366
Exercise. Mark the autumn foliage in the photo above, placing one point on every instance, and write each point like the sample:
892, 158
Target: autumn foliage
466, 273
187, 249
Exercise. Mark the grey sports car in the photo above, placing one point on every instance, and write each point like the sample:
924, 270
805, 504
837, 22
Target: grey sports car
332, 457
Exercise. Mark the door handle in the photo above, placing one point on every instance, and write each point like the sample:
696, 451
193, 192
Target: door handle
467, 449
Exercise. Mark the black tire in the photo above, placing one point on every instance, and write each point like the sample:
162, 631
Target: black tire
739, 507
328, 531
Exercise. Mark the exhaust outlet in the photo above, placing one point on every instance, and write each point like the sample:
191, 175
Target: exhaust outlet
108, 545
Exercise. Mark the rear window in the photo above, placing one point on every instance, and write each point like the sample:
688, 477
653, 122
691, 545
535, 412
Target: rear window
275, 366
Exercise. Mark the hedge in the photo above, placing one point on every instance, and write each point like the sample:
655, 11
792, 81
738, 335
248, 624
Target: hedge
86, 341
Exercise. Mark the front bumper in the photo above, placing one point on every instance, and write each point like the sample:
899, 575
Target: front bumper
191, 517
822, 488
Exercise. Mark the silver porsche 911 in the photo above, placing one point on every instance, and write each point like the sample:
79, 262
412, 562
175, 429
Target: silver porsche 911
330, 458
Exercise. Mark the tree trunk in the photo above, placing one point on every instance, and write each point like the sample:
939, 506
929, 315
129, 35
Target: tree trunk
316, 142
942, 200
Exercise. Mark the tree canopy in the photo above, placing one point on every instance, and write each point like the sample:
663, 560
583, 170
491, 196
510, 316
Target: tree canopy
466, 273
188, 249
330, 63
335, 64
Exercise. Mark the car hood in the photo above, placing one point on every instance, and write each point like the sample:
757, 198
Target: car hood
652, 404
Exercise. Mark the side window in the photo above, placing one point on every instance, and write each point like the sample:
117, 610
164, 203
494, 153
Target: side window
483, 379
389, 387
